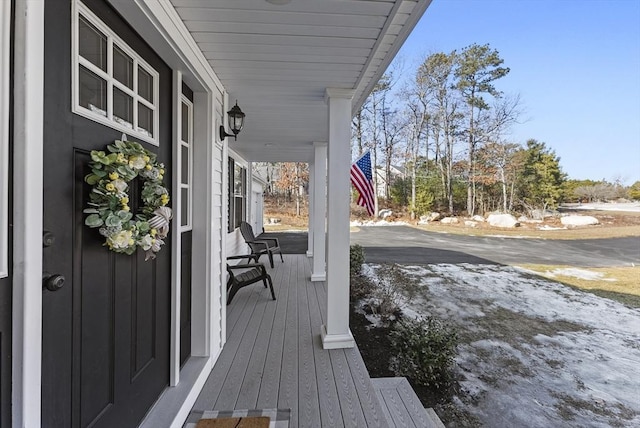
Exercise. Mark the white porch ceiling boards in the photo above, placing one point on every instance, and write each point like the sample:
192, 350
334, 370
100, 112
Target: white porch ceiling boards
277, 61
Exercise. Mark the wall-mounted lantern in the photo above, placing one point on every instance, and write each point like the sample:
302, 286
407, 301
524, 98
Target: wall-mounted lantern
236, 122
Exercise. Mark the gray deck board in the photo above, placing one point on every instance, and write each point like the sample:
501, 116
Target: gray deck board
273, 357
401, 405
309, 403
270, 383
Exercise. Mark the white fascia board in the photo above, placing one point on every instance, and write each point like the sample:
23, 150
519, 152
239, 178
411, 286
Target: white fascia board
176, 46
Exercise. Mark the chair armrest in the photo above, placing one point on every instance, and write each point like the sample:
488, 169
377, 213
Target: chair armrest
260, 238
248, 266
266, 243
242, 256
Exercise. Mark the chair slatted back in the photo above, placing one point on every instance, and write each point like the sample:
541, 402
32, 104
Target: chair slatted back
247, 232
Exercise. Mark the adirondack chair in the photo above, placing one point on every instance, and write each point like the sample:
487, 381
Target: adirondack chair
260, 246
241, 275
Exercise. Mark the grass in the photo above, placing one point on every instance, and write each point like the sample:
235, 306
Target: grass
617, 283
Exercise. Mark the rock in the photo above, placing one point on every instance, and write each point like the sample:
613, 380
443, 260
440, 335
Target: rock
477, 218
523, 219
449, 220
470, 223
579, 220
385, 213
502, 220
424, 218
434, 216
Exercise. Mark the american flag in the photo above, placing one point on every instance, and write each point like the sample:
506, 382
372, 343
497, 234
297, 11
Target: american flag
362, 180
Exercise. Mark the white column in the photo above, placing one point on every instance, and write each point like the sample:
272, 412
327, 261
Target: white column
336, 334
318, 270
311, 205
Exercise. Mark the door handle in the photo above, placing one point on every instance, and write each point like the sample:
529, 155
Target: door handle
52, 282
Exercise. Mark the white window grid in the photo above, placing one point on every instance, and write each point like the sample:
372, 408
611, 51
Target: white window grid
138, 62
189, 146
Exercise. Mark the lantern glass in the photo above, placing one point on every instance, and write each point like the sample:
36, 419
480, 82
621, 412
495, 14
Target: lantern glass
236, 119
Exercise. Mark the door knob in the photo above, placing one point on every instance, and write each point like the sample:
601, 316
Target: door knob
52, 282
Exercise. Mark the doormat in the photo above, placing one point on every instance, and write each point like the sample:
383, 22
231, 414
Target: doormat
246, 422
278, 418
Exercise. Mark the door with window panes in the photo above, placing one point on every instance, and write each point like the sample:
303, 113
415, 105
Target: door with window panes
186, 219
105, 332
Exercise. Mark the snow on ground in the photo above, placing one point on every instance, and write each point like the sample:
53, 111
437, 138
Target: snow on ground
534, 353
357, 223
626, 206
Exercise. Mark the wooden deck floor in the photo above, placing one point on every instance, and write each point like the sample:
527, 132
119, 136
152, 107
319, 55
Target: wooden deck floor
273, 358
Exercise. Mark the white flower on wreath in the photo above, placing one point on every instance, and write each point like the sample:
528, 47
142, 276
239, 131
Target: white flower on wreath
137, 162
147, 242
120, 240
120, 185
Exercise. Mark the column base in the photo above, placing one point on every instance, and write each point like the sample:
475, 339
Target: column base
309, 253
317, 277
336, 341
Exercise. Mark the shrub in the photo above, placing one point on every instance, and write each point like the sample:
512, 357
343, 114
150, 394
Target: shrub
424, 351
356, 259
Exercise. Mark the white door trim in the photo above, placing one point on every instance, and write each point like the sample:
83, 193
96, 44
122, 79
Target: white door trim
27, 206
5, 64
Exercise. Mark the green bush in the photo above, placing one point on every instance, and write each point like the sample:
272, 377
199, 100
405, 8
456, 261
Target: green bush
424, 351
356, 259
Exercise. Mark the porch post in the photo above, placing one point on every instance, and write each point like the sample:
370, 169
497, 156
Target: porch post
336, 334
310, 208
318, 272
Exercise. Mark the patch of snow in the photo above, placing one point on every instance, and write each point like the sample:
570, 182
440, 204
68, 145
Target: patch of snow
579, 220
613, 206
470, 223
547, 227
477, 218
368, 223
580, 274
502, 220
539, 350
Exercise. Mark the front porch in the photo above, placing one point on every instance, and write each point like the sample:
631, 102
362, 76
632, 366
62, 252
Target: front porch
273, 358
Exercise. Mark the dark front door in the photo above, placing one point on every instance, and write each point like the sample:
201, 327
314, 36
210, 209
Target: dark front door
106, 331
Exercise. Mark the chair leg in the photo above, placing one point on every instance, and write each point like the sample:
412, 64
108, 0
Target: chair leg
273, 293
281, 258
270, 258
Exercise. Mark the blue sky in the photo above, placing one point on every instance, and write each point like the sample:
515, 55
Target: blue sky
575, 64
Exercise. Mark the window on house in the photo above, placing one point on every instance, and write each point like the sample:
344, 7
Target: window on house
237, 194
111, 83
186, 153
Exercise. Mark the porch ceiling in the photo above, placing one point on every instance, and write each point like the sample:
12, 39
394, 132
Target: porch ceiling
277, 61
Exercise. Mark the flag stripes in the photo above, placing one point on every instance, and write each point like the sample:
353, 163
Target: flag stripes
362, 180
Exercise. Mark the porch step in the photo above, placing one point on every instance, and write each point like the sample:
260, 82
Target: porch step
401, 406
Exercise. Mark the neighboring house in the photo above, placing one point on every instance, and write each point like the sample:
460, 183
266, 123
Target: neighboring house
110, 337
381, 178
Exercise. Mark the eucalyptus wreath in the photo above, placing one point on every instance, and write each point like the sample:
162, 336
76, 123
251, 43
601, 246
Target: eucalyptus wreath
108, 205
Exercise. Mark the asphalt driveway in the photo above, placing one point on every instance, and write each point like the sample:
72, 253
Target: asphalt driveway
407, 245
